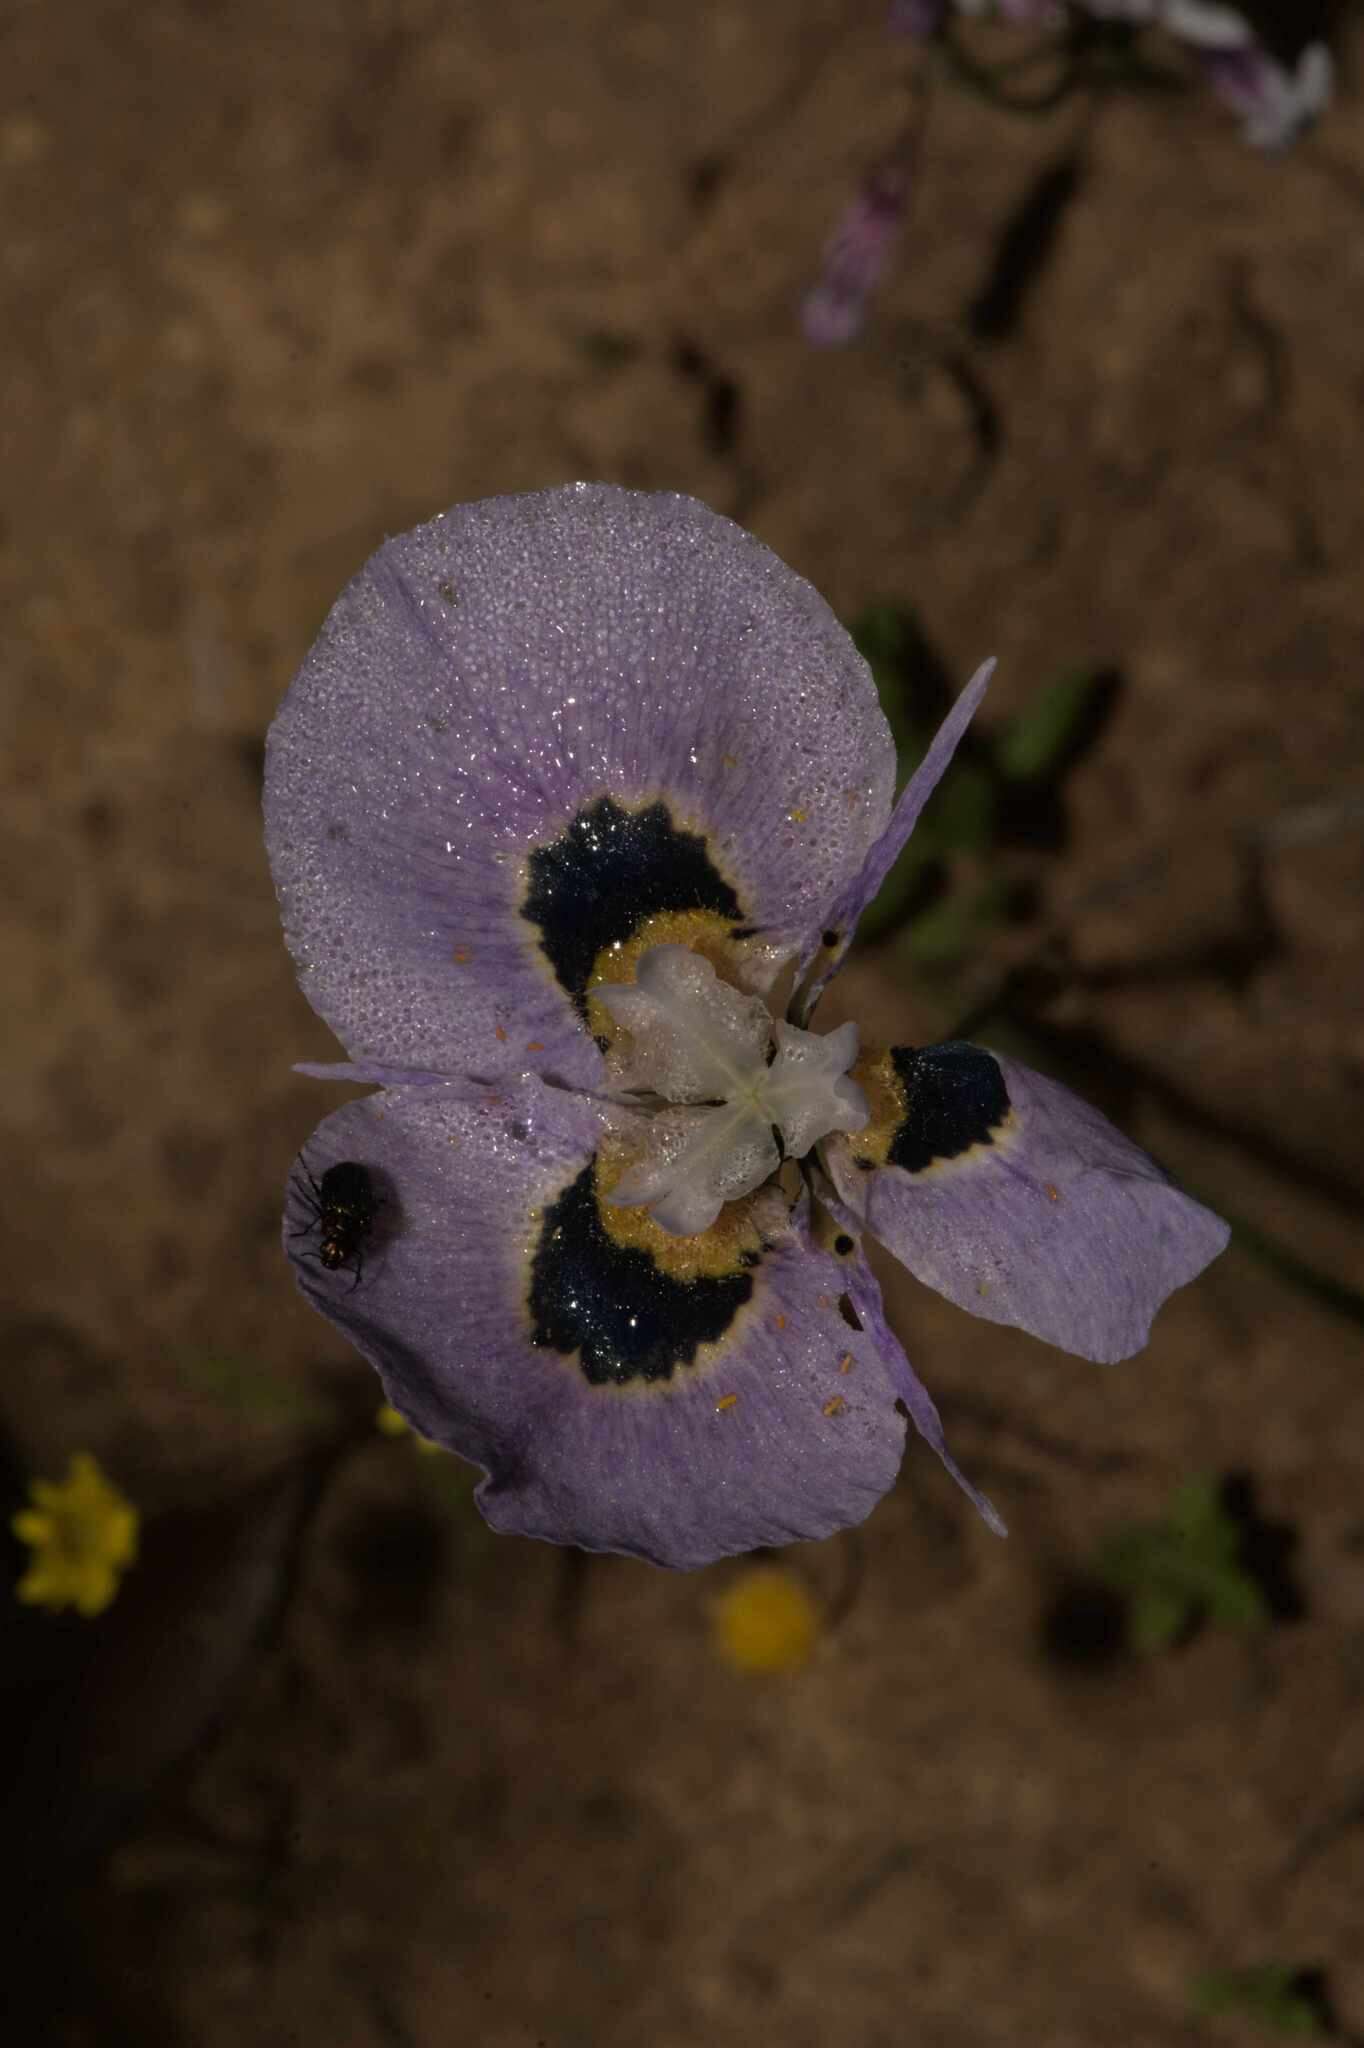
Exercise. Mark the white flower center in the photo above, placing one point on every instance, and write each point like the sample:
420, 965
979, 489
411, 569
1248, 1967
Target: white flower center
695, 1041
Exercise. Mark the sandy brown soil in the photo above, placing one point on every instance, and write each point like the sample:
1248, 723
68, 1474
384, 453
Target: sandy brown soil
278, 280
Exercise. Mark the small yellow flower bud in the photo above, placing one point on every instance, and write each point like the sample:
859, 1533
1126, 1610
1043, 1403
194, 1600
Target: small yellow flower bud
83, 1535
767, 1621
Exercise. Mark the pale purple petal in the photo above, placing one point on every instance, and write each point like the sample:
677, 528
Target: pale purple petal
842, 919
672, 1469
1022, 1204
510, 675
1206, 26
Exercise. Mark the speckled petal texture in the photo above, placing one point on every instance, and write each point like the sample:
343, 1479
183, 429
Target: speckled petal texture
1060, 1225
675, 1472
489, 675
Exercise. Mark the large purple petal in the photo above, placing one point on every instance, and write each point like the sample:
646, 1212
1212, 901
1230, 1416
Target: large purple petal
497, 705
781, 1424
1019, 1202
881, 857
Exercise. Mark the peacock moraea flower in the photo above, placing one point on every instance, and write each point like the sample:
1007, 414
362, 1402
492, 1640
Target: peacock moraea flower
567, 782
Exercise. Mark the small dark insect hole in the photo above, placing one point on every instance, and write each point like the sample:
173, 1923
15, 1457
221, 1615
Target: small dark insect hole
1265, 1551
831, 940
843, 1244
393, 1556
1084, 1625
1312, 1988
704, 179
251, 753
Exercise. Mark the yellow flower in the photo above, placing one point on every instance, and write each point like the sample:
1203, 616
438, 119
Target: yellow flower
390, 1423
767, 1621
83, 1535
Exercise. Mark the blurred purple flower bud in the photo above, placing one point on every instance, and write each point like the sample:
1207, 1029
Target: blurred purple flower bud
1275, 104
1208, 27
856, 255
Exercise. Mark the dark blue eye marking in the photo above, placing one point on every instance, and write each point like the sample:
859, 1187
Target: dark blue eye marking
613, 1305
610, 871
955, 1098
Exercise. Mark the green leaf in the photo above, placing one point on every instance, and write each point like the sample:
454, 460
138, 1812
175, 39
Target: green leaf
1157, 1616
1034, 743
946, 933
1238, 1601
1196, 1517
1265, 1993
1184, 1565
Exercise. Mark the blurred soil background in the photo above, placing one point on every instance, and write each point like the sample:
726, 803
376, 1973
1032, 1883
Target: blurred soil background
339, 1765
